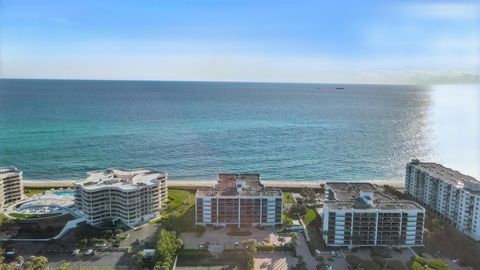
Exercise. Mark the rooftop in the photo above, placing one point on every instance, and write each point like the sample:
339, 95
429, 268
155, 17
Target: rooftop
361, 195
9, 169
447, 174
234, 184
122, 178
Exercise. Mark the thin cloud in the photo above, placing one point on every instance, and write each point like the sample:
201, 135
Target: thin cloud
450, 11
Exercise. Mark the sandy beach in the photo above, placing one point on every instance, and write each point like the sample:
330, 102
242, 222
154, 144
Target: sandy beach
210, 183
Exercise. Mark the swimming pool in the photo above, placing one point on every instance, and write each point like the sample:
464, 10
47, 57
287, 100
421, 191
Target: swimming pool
64, 193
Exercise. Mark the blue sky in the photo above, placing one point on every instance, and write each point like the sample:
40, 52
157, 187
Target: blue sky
305, 41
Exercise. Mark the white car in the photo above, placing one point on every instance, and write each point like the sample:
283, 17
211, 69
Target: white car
90, 252
76, 251
317, 252
333, 254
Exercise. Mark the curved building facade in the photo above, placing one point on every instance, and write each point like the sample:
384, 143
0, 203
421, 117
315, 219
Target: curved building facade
11, 186
132, 197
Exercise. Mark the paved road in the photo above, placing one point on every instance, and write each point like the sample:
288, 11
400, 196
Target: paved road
303, 250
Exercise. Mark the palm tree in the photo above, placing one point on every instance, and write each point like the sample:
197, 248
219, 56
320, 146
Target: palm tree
294, 239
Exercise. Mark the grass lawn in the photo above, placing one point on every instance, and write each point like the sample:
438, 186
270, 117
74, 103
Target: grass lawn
91, 268
439, 232
27, 216
180, 213
287, 219
154, 220
179, 202
194, 254
310, 216
34, 191
287, 198
202, 259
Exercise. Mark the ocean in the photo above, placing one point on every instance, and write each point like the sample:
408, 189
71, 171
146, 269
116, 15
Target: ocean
60, 129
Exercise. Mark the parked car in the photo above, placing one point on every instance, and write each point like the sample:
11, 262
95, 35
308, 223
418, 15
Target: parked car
90, 252
340, 254
76, 251
10, 254
333, 254
317, 252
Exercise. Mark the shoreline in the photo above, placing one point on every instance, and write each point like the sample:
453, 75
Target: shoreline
212, 182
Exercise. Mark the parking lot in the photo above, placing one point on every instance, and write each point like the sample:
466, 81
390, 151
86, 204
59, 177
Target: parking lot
116, 259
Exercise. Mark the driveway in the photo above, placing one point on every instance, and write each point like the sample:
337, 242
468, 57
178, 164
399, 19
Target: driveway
303, 250
143, 234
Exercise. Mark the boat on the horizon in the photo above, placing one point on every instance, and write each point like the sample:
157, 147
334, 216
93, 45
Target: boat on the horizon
340, 88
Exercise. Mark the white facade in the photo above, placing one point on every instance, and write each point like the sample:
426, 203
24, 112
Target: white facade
358, 228
358, 215
132, 197
11, 185
448, 193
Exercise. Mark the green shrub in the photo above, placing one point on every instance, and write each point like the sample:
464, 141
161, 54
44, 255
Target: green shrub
417, 266
370, 265
194, 254
379, 260
421, 260
438, 265
200, 230
168, 246
353, 260
395, 265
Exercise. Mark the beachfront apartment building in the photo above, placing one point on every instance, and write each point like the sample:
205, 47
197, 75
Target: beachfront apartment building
359, 215
11, 185
453, 196
238, 199
132, 197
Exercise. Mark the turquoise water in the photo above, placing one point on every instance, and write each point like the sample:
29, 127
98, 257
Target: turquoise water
64, 193
53, 129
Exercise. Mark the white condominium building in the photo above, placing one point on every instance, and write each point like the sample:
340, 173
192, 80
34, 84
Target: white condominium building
357, 214
130, 196
11, 185
238, 199
448, 193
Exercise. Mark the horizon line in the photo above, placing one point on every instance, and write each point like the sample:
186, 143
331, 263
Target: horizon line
222, 81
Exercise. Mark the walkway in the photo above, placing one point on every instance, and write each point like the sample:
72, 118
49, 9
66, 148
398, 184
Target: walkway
303, 250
